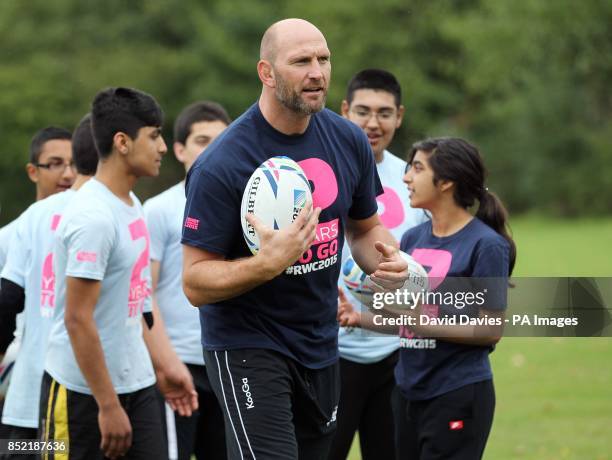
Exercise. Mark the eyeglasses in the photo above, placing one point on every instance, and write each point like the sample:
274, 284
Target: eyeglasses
57, 166
384, 115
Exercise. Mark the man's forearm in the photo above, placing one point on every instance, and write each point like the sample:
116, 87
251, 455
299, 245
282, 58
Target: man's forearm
362, 246
90, 358
215, 280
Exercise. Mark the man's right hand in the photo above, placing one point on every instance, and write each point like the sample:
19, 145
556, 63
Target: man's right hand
116, 431
281, 248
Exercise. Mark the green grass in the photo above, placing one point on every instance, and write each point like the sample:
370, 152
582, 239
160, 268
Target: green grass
554, 395
563, 247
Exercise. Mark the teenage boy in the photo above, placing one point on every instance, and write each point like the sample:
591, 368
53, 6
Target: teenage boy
98, 389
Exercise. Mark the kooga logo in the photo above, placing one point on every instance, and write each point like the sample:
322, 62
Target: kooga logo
251, 203
250, 404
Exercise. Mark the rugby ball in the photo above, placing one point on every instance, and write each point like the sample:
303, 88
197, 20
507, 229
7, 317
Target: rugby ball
357, 283
6, 366
362, 288
276, 192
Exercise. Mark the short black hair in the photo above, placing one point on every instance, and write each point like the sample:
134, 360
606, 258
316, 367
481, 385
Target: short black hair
84, 152
123, 110
45, 135
196, 112
376, 79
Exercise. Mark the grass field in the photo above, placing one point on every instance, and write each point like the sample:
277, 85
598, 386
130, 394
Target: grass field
554, 395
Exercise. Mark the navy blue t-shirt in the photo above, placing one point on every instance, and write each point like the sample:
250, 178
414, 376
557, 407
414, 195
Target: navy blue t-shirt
295, 313
431, 367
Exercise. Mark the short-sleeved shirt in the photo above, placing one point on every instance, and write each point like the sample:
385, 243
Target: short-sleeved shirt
102, 238
431, 367
164, 214
295, 313
397, 215
30, 265
6, 234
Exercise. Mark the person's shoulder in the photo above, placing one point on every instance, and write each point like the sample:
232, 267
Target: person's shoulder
414, 233
90, 195
229, 146
243, 126
487, 237
394, 161
51, 203
345, 132
7, 230
89, 205
422, 228
329, 118
163, 200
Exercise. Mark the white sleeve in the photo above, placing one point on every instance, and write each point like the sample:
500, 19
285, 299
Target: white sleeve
156, 224
19, 252
89, 239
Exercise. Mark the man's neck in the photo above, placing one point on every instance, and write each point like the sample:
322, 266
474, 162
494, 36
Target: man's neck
116, 177
280, 117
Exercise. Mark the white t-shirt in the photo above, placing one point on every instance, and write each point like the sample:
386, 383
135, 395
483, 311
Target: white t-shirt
102, 238
394, 210
30, 265
164, 214
6, 234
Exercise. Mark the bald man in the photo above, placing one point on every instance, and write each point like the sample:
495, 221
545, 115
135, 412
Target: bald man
269, 328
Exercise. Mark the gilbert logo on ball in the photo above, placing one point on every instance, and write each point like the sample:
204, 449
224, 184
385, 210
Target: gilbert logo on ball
276, 192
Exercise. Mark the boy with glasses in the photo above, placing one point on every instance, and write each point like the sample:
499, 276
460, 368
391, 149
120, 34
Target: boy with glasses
367, 362
50, 166
49, 146
29, 267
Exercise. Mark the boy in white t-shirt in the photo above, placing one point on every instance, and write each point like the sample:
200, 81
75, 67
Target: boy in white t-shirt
50, 168
98, 388
367, 360
201, 434
29, 266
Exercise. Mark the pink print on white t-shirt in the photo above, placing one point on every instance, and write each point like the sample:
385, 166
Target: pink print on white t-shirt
47, 289
139, 288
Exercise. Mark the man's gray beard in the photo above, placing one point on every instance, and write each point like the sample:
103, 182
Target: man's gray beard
293, 101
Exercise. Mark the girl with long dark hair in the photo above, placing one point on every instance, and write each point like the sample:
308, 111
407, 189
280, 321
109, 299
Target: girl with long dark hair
445, 400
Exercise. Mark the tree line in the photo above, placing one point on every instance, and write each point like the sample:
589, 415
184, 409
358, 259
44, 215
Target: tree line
528, 81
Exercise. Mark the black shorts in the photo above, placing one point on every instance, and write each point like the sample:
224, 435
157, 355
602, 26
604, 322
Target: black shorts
452, 426
365, 405
19, 432
69, 415
202, 434
274, 408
